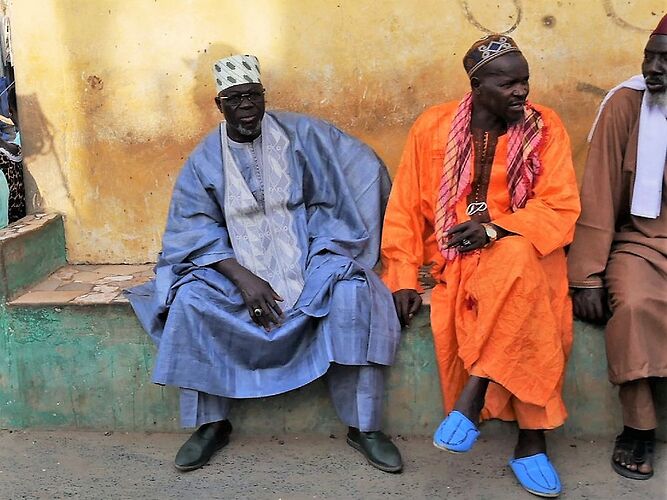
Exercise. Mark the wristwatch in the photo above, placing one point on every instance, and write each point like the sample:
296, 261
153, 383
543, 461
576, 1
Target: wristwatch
491, 234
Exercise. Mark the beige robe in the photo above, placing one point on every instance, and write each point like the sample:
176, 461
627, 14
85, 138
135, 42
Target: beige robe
624, 253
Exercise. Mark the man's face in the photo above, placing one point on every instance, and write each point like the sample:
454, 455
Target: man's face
502, 88
243, 107
654, 67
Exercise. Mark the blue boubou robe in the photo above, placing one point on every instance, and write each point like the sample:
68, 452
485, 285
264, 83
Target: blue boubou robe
316, 242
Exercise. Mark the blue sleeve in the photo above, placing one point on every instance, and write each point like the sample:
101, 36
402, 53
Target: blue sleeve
345, 190
196, 232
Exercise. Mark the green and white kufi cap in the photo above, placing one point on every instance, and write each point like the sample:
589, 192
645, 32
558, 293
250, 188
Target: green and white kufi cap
236, 70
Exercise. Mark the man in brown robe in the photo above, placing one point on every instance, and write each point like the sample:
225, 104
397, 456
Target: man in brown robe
618, 261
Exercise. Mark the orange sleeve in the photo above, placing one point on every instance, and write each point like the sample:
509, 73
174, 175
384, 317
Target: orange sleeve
548, 219
402, 233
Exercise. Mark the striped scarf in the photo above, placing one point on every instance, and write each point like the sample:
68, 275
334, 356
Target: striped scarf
523, 167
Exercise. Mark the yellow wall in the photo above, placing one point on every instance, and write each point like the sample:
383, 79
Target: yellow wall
113, 95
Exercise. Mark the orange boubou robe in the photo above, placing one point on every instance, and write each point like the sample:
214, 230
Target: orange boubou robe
502, 312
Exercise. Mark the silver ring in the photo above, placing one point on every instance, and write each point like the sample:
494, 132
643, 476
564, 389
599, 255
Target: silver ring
257, 312
465, 242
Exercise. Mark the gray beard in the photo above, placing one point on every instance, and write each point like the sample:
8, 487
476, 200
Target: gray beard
657, 99
247, 131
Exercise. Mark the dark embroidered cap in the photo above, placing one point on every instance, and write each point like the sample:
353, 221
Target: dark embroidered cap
486, 50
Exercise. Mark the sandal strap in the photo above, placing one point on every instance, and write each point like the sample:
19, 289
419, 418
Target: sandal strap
643, 451
625, 443
650, 445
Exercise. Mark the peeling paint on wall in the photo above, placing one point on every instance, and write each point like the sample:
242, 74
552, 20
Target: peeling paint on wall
114, 94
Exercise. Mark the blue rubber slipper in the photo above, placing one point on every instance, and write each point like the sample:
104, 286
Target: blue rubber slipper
537, 475
456, 433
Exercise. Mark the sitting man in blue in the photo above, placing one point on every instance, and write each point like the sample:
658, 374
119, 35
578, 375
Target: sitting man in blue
265, 281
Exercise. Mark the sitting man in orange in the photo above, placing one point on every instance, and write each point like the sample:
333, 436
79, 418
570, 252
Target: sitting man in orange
486, 191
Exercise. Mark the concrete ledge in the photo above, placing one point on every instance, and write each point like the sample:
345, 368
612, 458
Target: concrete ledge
30, 249
89, 368
86, 284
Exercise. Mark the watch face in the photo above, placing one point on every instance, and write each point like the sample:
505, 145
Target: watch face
491, 232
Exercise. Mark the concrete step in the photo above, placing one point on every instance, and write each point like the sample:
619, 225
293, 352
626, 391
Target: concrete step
30, 249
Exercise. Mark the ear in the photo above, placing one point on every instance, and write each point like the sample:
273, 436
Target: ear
475, 83
218, 103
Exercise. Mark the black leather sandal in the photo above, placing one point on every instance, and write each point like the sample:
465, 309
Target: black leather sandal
638, 451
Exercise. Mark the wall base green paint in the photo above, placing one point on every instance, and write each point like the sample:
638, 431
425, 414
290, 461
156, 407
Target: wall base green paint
88, 367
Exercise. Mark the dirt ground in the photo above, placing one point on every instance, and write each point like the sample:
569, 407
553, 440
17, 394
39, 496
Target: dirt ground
57, 465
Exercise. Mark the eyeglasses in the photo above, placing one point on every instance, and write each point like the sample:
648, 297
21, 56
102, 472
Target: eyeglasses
235, 100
